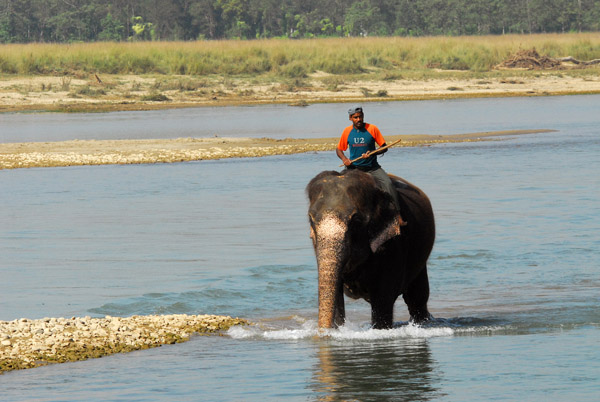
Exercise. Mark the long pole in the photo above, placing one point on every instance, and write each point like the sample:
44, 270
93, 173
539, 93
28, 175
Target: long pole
378, 150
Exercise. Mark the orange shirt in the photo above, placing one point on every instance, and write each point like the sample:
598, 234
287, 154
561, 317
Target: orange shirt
371, 128
361, 141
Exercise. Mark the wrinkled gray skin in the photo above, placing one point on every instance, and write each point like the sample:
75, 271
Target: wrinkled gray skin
363, 252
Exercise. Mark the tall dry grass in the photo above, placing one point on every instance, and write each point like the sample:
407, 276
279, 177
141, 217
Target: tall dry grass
289, 58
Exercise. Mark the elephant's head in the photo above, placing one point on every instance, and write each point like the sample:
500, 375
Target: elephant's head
350, 219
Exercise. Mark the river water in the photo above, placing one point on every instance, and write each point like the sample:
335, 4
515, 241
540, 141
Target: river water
515, 286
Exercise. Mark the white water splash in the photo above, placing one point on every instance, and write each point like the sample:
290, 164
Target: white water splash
350, 331
307, 330
404, 331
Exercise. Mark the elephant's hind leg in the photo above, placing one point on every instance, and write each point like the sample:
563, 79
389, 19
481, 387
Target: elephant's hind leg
416, 297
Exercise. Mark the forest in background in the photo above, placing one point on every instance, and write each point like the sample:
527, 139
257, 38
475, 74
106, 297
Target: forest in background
68, 21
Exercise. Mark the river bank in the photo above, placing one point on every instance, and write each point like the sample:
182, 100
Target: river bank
146, 92
107, 152
28, 343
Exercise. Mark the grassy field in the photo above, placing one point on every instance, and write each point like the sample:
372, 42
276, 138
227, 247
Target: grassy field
142, 75
289, 58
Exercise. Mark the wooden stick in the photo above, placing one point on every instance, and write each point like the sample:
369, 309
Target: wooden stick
375, 152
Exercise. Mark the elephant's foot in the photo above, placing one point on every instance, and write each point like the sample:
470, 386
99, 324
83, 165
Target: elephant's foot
382, 316
420, 317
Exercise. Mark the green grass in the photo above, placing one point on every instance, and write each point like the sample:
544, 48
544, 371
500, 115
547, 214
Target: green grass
291, 59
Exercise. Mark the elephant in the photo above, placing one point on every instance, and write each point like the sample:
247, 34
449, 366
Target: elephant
362, 250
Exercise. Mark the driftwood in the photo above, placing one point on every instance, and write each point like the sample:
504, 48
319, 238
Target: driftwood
573, 60
532, 60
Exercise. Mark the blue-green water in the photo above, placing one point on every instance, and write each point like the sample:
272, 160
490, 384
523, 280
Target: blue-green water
515, 283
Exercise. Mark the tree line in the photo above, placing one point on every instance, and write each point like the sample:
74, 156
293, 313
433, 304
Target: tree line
25, 21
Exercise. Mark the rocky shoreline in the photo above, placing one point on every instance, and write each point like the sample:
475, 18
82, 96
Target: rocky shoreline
111, 152
26, 343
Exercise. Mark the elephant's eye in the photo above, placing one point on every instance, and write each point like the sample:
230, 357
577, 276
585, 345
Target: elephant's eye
356, 218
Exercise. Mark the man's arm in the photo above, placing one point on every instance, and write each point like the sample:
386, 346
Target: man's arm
383, 150
374, 131
340, 154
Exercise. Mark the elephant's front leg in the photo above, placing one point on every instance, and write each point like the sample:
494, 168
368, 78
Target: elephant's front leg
382, 312
339, 316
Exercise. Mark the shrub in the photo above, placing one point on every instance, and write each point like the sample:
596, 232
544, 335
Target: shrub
294, 69
342, 66
155, 97
89, 91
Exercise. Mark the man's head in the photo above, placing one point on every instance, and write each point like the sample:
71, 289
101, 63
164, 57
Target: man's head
356, 116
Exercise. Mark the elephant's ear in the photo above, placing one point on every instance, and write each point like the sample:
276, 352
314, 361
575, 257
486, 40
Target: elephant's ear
384, 221
389, 231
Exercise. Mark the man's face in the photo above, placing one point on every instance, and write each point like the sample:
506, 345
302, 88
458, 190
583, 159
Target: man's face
357, 120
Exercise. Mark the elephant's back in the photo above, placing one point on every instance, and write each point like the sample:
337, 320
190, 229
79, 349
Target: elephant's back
409, 191
417, 211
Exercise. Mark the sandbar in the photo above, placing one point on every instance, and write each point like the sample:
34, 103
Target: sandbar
122, 152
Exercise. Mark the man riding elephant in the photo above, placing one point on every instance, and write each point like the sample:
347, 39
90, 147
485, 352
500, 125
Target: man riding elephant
360, 138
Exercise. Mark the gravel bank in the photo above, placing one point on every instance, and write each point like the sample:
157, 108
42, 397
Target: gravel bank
106, 152
26, 343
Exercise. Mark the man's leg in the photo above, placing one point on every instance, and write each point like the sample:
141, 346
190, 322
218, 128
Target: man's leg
385, 183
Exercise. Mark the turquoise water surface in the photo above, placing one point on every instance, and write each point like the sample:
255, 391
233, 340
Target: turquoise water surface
515, 286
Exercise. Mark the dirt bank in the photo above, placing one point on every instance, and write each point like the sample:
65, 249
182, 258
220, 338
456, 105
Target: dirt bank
74, 153
127, 92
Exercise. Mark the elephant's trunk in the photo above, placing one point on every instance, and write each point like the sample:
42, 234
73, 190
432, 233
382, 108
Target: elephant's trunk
329, 295
329, 247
